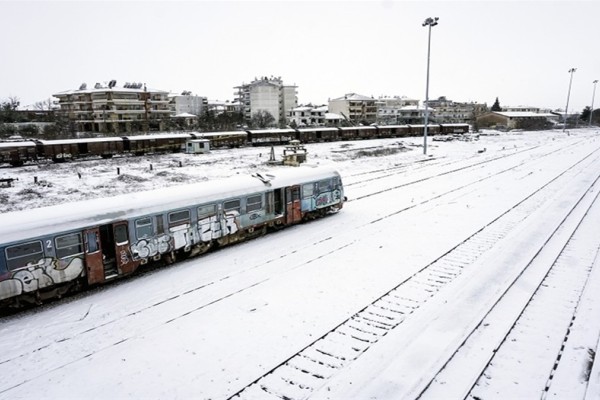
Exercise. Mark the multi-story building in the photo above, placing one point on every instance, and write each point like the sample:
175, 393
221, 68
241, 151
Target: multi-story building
355, 108
448, 111
267, 94
218, 107
389, 109
110, 109
308, 115
187, 103
414, 114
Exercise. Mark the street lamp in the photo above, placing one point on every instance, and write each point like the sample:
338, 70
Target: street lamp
571, 71
430, 22
593, 95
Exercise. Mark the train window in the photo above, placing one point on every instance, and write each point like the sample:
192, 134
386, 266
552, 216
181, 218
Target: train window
121, 234
308, 190
295, 193
179, 217
160, 226
144, 228
231, 205
23, 254
324, 186
207, 211
254, 203
68, 245
92, 242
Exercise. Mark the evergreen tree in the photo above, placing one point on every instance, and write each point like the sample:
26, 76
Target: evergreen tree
585, 114
496, 106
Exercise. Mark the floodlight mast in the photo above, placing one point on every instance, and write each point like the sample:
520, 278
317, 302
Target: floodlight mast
571, 71
429, 22
592, 107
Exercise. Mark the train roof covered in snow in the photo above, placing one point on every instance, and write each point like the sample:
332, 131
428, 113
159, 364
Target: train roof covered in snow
37, 222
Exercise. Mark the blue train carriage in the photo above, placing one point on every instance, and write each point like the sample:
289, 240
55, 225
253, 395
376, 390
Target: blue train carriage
46, 252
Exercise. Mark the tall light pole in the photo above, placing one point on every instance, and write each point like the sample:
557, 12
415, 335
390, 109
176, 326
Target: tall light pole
571, 71
593, 95
430, 22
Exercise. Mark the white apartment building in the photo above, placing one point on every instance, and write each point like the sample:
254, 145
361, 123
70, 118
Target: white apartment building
267, 94
186, 103
389, 109
112, 109
448, 111
308, 115
355, 108
219, 107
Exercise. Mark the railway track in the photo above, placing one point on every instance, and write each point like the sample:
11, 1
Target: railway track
535, 339
309, 369
421, 286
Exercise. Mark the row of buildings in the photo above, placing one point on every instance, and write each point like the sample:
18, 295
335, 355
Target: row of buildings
134, 107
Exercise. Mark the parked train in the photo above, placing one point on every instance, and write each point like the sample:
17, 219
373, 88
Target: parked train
17, 153
46, 252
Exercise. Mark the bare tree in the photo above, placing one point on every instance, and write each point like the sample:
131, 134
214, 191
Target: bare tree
8, 109
44, 105
262, 119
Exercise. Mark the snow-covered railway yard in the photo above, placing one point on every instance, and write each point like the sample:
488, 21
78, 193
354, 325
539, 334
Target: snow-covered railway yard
473, 273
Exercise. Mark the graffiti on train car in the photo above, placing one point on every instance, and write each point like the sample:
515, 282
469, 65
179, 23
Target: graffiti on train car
208, 229
46, 272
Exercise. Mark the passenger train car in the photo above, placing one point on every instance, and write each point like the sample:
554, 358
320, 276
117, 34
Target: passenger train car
17, 153
46, 252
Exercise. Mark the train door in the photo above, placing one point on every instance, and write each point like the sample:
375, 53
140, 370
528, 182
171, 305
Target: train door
93, 256
107, 252
82, 148
125, 264
292, 205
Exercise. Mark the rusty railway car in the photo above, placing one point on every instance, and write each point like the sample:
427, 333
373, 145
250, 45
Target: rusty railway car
392, 131
149, 144
317, 135
229, 139
17, 153
67, 149
358, 132
270, 137
450, 129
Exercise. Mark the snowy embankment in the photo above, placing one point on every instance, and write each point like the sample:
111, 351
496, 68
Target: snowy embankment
211, 326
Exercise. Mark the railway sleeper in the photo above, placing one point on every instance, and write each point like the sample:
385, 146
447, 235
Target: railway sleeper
328, 359
257, 392
376, 323
318, 358
354, 330
314, 367
337, 345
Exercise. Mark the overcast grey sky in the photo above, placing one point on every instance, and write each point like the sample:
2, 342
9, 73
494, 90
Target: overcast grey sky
518, 51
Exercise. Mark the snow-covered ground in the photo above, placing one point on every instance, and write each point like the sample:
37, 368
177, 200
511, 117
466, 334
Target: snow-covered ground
470, 272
